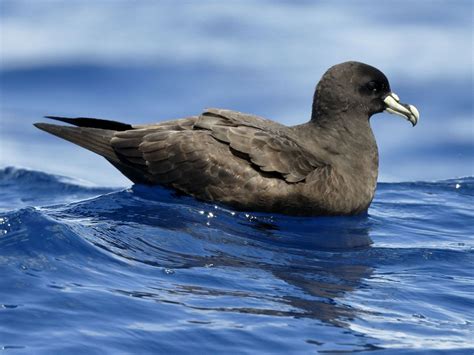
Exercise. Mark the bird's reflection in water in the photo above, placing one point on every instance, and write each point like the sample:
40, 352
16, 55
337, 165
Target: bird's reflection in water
318, 259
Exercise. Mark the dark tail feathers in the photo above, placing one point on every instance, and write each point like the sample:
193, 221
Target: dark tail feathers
93, 123
95, 135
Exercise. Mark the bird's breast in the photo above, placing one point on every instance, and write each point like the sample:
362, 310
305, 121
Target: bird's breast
344, 189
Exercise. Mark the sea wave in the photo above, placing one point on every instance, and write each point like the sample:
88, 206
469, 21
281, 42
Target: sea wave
142, 261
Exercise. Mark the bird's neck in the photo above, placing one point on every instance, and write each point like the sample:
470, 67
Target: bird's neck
347, 140
345, 126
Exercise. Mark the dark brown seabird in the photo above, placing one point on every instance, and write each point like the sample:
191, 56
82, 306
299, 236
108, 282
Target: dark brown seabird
327, 166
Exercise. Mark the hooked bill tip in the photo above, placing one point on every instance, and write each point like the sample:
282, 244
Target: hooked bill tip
415, 112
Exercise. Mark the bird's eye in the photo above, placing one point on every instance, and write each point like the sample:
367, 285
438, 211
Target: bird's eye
374, 86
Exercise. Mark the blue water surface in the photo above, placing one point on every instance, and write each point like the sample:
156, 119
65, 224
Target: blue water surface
140, 270
107, 267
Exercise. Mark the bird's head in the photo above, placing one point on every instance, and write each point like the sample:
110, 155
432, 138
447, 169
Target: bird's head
360, 90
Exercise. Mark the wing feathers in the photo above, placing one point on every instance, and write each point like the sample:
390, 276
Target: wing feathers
267, 145
196, 150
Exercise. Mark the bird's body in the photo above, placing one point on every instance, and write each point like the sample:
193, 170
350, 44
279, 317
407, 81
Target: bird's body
327, 166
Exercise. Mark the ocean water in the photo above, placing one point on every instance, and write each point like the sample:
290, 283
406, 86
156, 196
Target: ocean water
91, 264
139, 270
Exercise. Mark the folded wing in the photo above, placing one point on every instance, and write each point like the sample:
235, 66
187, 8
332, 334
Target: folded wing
218, 149
267, 145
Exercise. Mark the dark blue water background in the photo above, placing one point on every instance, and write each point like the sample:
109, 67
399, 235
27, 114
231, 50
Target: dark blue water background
139, 270
148, 61
89, 268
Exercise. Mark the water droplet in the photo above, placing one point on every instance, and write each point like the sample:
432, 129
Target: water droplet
458, 186
168, 271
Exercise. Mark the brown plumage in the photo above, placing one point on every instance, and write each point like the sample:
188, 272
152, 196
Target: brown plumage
327, 166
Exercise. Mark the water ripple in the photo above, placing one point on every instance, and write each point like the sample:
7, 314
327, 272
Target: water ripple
106, 268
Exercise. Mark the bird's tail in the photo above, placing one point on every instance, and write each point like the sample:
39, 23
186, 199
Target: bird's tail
90, 133
95, 135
